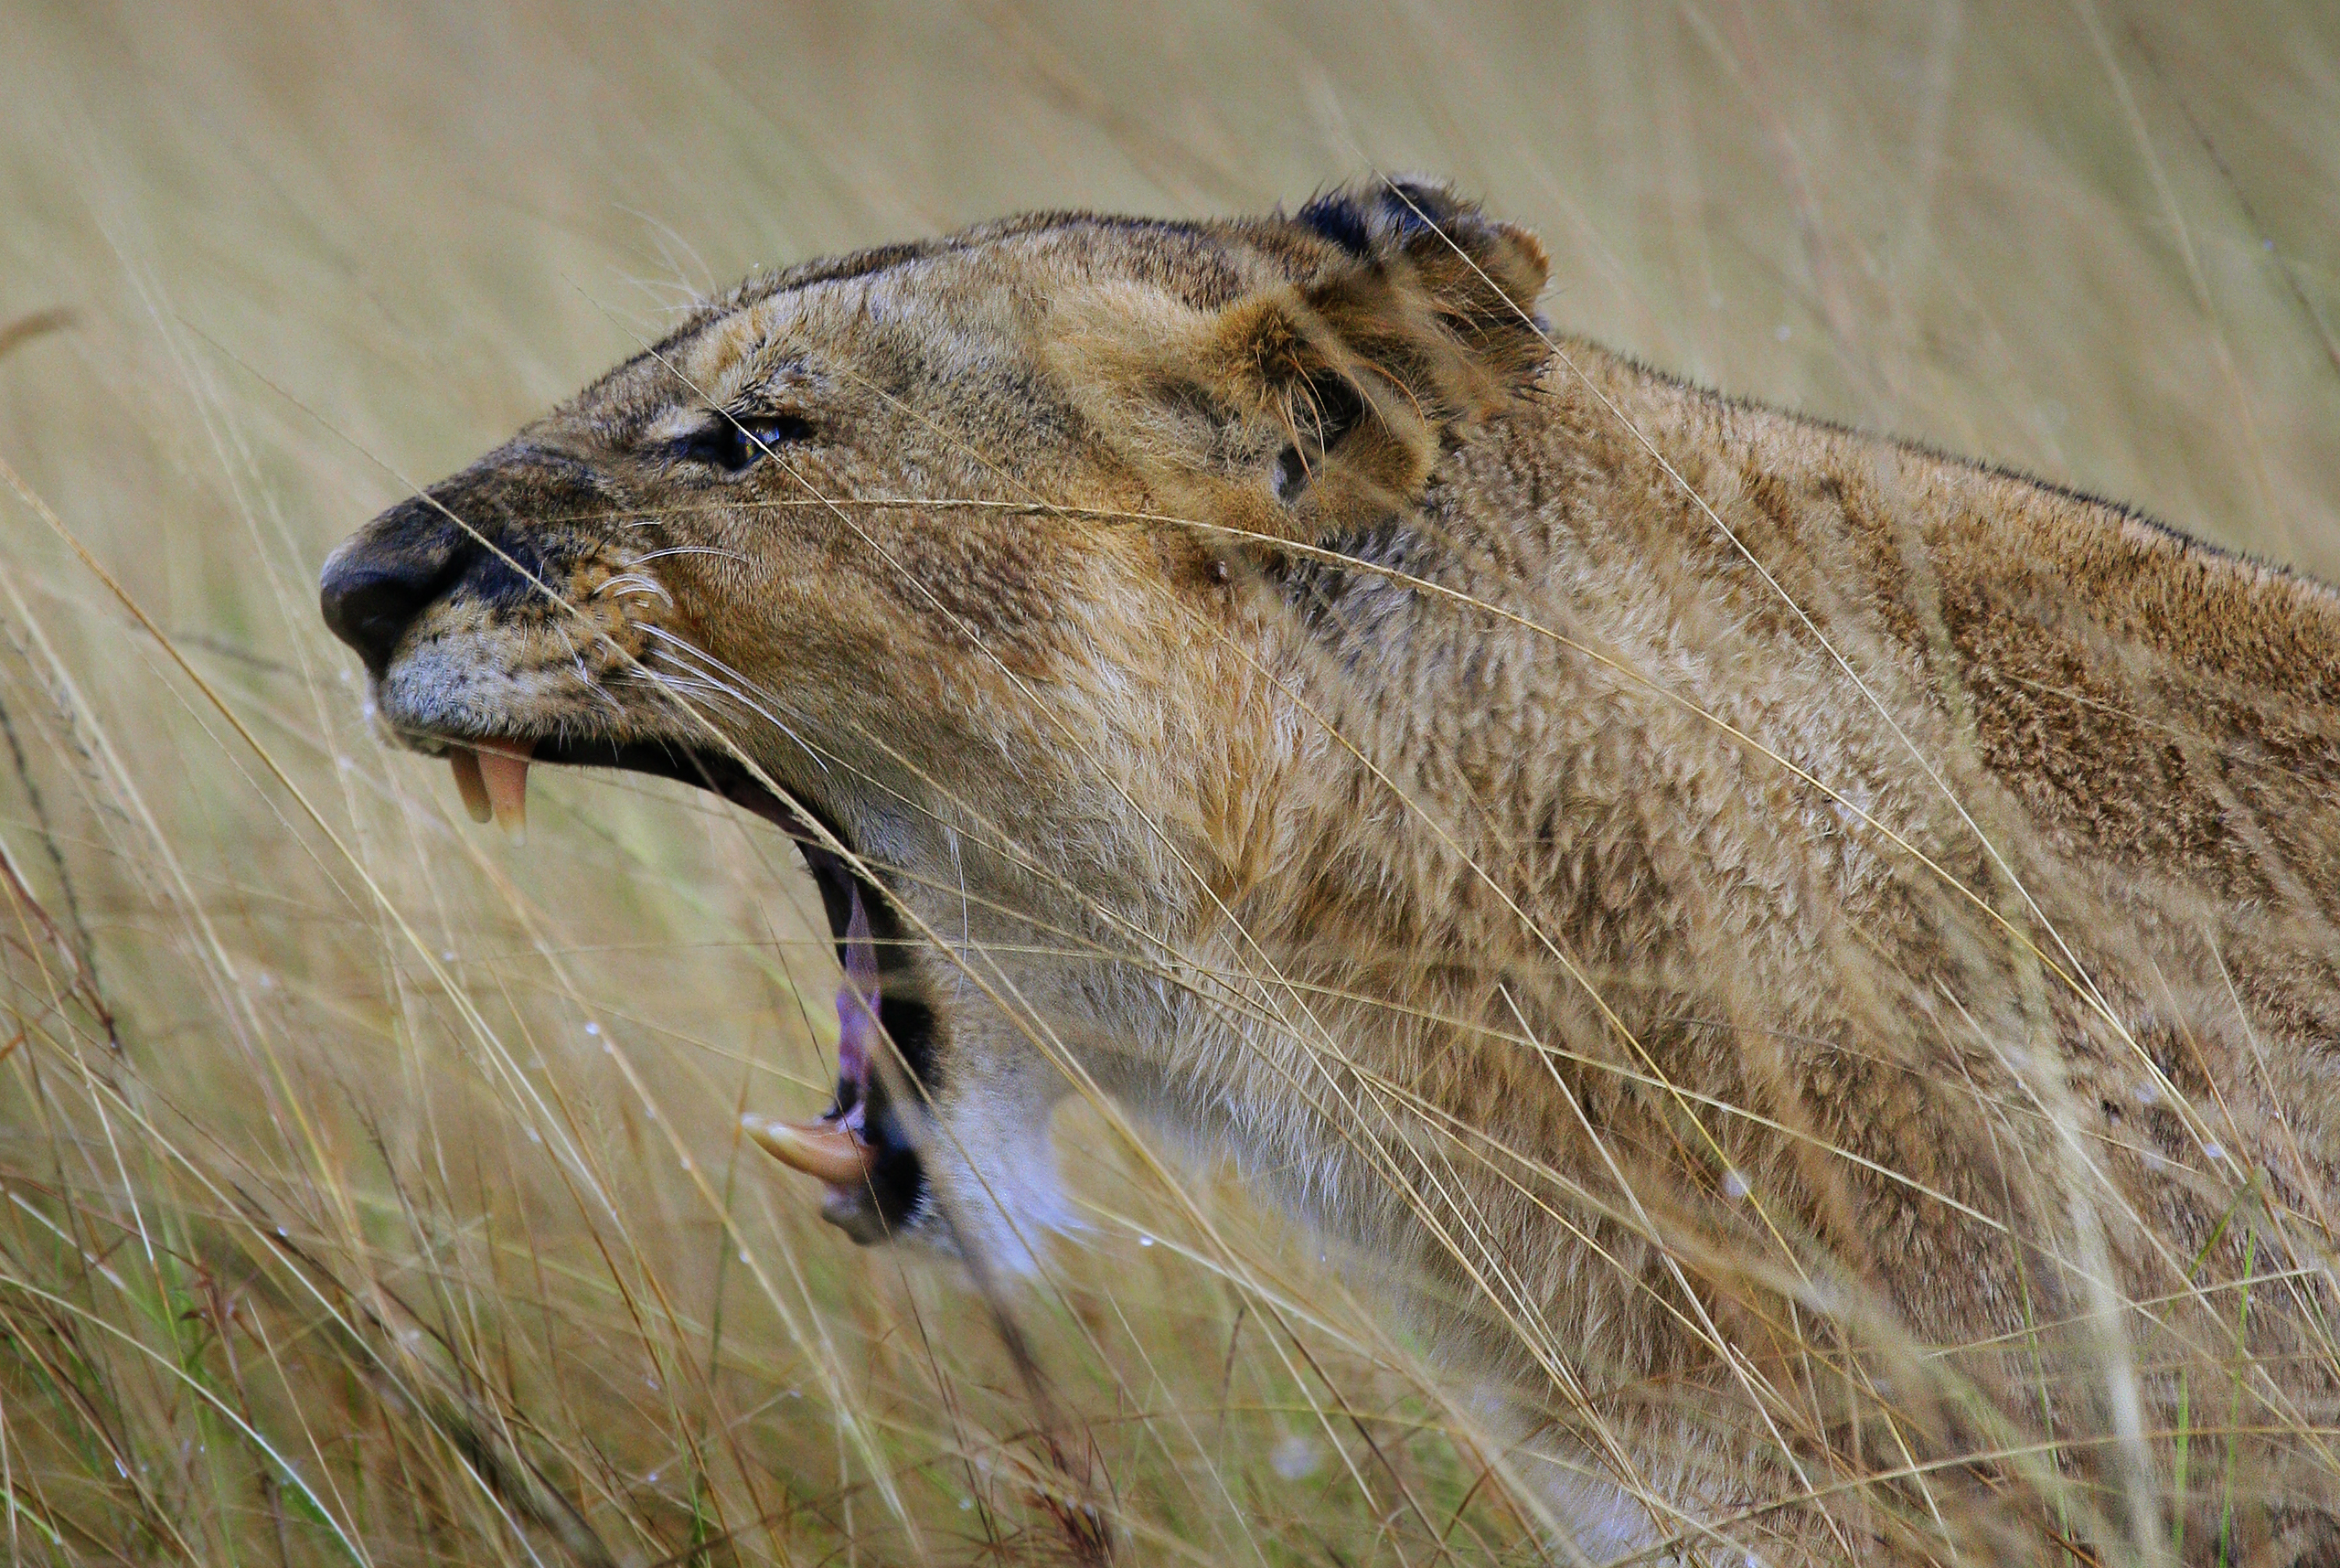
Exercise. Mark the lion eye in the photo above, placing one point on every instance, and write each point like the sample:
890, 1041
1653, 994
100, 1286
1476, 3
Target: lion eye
736, 443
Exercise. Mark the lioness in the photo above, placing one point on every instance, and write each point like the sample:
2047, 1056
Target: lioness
1811, 960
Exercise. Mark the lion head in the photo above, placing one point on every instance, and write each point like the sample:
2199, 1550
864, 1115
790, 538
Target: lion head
961, 562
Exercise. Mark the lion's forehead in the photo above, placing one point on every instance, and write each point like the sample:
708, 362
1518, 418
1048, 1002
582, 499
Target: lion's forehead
976, 296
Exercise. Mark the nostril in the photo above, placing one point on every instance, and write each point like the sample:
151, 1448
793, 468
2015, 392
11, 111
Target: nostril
370, 603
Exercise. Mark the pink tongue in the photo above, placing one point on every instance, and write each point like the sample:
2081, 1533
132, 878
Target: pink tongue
857, 999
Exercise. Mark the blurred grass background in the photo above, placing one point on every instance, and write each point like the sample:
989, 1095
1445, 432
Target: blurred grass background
370, 1187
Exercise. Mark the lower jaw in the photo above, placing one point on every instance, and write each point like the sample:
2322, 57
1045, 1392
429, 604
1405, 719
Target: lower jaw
874, 1209
491, 773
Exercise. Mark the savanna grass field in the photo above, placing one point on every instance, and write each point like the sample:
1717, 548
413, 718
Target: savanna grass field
370, 1187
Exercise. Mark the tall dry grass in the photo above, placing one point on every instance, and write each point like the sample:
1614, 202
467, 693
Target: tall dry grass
372, 1190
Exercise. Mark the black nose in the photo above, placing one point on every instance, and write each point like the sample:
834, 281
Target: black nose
376, 585
369, 606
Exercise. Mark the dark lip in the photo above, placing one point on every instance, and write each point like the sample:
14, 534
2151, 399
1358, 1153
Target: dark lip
897, 1184
711, 770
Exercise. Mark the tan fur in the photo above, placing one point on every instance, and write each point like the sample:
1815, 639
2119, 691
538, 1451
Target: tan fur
1702, 879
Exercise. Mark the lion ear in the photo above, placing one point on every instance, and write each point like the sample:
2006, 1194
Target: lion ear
1419, 270
1410, 319
1387, 322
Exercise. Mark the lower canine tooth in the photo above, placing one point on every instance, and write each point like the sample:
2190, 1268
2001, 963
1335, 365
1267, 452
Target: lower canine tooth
469, 785
504, 772
824, 1149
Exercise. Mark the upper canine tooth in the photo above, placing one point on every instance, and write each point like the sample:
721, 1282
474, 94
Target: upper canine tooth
468, 783
504, 772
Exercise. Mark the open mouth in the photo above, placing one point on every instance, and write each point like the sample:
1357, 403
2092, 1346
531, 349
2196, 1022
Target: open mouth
859, 1147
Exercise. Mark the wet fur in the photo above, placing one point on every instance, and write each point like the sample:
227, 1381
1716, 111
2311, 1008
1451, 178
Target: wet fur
1296, 696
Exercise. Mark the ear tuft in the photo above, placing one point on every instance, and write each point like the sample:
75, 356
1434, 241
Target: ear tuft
1335, 215
1409, 254
1424, 222
1370, 221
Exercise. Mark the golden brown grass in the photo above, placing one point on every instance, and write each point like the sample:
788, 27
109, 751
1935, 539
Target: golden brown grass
370, 1185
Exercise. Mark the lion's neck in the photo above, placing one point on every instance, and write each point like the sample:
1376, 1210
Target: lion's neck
1632, 599
1593, 755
